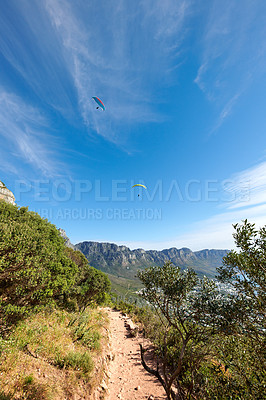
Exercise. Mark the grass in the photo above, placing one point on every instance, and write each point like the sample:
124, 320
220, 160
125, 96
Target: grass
77, 361
52, 355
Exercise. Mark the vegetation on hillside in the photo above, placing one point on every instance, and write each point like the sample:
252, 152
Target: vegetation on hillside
49, 338
91, 285
210, 345
37, 269
52, 354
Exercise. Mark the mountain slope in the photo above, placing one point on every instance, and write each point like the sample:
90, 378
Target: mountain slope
121, 261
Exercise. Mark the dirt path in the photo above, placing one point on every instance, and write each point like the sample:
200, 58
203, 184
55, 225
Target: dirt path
128, 379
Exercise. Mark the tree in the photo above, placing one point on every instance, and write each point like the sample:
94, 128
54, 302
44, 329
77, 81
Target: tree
184, 304
34, 267
91, 285
245, 271
212, 343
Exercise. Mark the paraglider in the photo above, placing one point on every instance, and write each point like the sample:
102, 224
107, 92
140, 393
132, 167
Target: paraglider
139, 184
99, 102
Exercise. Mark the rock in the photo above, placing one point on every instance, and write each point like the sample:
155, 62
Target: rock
66, 239
131, 327
104, 386
110, 357
6, 194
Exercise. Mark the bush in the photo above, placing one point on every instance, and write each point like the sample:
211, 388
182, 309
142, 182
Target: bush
34, 267
77, 361
91, 285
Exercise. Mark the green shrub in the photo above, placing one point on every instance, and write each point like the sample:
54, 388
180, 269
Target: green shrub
77, 361
28, 380
34, 267
91, 286
86, 328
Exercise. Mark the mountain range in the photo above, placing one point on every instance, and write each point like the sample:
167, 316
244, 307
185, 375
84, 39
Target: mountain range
123, 262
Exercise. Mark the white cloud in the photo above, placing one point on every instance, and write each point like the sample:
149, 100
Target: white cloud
168, 16
226, 111
211, 233
115, 55
248, 187
233, 53
248, 191
116, 50
24, 131
33, 51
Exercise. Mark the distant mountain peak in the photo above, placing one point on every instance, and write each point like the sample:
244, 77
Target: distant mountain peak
66, 238
121, 261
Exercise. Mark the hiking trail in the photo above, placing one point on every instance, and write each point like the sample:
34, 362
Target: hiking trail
128, 379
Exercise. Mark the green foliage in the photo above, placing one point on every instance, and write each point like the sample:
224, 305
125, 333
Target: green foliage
34, 268
211, 343
181, 298
28, 379
86, 330
62, 345
245, 270
91, 285
183, 304
77, 361
244, 375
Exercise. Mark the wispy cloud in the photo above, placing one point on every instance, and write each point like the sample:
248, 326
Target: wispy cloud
34, 52
233, 53
168, 17
118, 58
65, 53
245, 192
247, 200
24, 136
211, 233
248, 187
226, 112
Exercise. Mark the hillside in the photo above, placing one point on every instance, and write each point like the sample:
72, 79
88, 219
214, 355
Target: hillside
52, 338
123, 262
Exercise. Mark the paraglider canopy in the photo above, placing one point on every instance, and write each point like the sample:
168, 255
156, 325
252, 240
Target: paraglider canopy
138, 184
99, 102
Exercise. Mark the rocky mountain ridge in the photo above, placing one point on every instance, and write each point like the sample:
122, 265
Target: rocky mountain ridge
121, 261
66, 238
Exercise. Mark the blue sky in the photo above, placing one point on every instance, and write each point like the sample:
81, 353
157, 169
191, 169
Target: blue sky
183, 83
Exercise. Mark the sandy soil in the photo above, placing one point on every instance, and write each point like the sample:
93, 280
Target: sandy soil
128, 379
